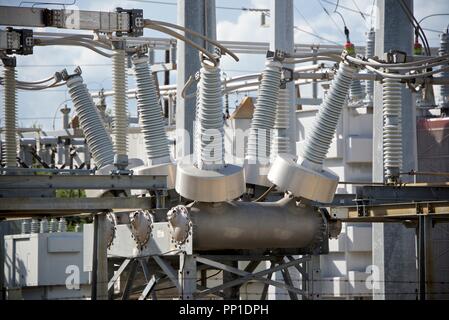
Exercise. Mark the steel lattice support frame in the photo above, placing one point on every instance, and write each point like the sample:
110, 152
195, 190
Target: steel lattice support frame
189, 286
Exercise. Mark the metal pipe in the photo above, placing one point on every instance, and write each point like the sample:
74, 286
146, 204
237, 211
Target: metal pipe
252, 225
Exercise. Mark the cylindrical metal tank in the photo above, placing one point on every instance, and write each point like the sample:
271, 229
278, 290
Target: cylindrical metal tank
251, 225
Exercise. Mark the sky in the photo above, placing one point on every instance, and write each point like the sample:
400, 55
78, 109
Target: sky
41, 108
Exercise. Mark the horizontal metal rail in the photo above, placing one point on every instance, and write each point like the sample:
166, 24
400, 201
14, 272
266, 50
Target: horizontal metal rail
93, 182
392, 212
27, 207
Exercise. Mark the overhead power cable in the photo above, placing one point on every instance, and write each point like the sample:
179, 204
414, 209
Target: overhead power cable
317, 36
418, 30
358, 9
330, 17
305, 20
347, 8
218, 7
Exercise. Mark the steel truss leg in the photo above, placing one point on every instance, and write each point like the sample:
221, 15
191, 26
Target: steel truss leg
117, 274
266, 285
187, 276
423, 237
146, 272
304, 275
149, 288
288, 281
168, 270
232, 293
246, 276
130, 280
314, 272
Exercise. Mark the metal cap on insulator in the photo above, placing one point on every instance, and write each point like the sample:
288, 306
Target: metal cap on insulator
350, 48
140, 58
118, 44
9, 62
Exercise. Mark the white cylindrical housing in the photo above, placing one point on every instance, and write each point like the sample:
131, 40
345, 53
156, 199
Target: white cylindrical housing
98, 139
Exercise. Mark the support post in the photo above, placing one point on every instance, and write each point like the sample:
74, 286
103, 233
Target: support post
99, 289
314, 272
187, 276
393, 252
421, 246
282, 38
425, 261
232, 293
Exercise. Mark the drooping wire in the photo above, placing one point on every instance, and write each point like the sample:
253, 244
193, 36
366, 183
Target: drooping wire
346, 30
317, 36
305, 19
358, 9
330, 16
345, 8
418, 30
38, 3
433, 15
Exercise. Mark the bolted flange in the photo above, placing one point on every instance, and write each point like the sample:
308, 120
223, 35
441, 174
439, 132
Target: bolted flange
180, 224
141, 224
110, 229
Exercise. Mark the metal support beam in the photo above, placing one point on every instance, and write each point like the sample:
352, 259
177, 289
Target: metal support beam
99, 289
130, 280
118, 273
148, 288
314, 283
264, 294
391, 194
102, 257
246, 276
187, 276
288, 281
107, 22
392, 252
146, 271
169, 271
109, 182
423, 244
232, 293
394, 212
282, 38
94, 282
25, 207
